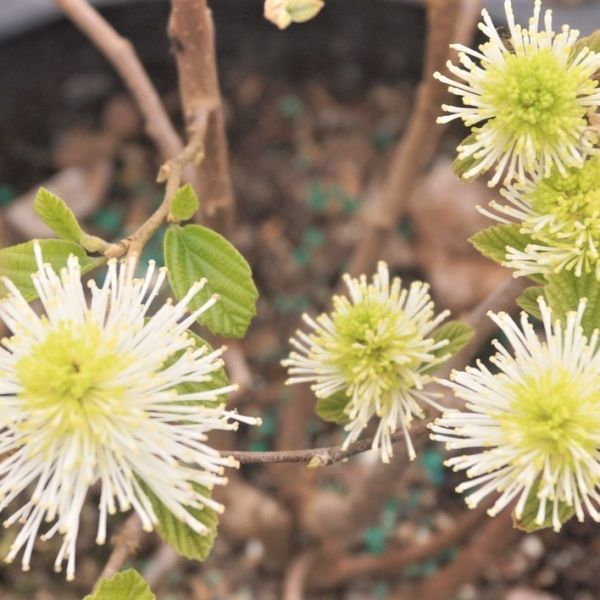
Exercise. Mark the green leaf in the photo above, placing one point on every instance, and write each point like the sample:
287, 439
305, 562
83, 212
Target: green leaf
18, 263
193, 252
332, 408
184, 540
462, 165
127, 585
184, 204
218, 378
175, 532
458, 335
528, 300
303, 10
493, 241
527, 521
55, 213
537, 278
591, 41
563, 292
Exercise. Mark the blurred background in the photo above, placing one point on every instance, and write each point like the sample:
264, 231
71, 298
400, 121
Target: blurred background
313, 115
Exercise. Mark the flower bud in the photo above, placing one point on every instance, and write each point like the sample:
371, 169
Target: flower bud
284, 12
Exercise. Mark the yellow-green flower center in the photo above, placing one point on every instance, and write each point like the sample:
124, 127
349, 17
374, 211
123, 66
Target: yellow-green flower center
553, 413
535, 97
574, 202
69, 375
372, 343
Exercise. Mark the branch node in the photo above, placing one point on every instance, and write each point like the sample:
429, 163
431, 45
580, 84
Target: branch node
164, 172
319, 460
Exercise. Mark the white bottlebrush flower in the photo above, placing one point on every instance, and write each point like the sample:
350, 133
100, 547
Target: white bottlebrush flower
562, 215
90, 394
376, 348
533, 426
526, 98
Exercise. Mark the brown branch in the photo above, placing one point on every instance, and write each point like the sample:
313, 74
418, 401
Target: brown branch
491, 540
330, 574
502, 299
126, 542
315, 457
293, 481
238, 371
162, 562
120, 53
295, 577
448, 21
171, 173
191, 32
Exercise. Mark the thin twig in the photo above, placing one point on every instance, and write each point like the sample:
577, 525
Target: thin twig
315, 457
171, 173
126, 542
162, 562
238, 371
120, 53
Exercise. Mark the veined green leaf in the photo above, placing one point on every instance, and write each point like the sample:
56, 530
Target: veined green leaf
458, 335
563, 292
55, 213
303, 10
184, 204
332, 408
184, 540
18, 263
193, 252
528, 300
527, 521
591, 41
462, 165
493, 241
127, 585
218, 378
